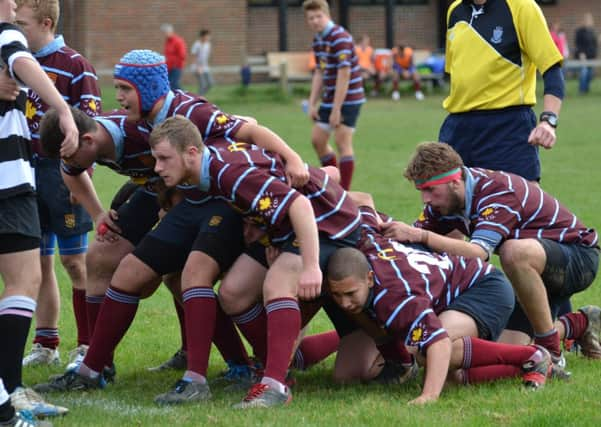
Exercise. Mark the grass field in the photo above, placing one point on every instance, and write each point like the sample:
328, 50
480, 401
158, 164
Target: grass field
386, 134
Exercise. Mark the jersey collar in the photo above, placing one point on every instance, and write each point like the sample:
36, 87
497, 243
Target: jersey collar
470, 183
205, 177
52, 47
327, 29
162, 115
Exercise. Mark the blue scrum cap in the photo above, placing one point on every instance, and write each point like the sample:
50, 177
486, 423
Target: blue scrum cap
146, 71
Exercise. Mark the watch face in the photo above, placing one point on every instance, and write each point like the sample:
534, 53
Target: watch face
549, 118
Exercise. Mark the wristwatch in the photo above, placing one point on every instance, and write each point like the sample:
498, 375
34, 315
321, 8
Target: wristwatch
549, 117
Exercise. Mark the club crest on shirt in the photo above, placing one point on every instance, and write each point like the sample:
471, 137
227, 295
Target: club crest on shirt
386, 254
221, 119
418, 335
497, 35
215, 221
488, 213
237, 146
70, 220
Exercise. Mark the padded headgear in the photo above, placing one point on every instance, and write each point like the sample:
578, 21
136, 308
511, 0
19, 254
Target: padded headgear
146, 71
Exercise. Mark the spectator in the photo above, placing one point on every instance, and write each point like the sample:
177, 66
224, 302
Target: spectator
365, 55
201, 50
560, 39
404, 68
586, 48
175, 55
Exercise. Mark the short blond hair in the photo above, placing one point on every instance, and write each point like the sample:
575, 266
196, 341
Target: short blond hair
179, 131
431, 159
43, 9
316, 5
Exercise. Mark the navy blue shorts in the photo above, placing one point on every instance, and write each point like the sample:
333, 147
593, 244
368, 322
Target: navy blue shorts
349, 113
212, 227
73, 245
138, 215
489, 302
19, 224
569, 269
495, 139
57, 214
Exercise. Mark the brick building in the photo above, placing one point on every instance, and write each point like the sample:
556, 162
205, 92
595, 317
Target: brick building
104, 29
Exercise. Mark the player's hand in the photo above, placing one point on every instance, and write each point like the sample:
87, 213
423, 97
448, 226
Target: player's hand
423, 399
297, 172
309, 284
71, 142
251, 232
402, 232
335, 118
107, 229
313, 112
543, 134
8, 87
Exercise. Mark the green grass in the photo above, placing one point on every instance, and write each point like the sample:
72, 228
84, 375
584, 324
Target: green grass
386, 135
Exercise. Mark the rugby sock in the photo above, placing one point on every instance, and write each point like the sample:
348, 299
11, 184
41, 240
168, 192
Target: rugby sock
283, 327
478, 352
81, 316
347, 166
490, 373
47, 337
417, 86
315, 348
93, 304
550, 340
179, 309
114, 318
15, 319
328, 160
228, 341
575, 325
200, 311
253, 325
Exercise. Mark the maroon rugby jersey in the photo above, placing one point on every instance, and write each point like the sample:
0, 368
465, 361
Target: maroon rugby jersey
334, 50
412, 286
74, 78
502, 206
253, 181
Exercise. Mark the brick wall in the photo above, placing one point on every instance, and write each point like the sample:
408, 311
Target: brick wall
105, 29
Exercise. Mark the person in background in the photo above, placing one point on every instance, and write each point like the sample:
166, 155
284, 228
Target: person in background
175, 55
201, 50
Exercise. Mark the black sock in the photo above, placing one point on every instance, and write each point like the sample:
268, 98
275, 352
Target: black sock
13, 330
7, 412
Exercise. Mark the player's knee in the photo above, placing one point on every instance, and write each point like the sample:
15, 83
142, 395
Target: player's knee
515, 254
75, 265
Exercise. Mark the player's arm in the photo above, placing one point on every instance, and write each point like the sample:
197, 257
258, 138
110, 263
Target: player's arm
8, 87
316, 87
437, 242
29, 72
343, 76
438, 357
269, 140
303, 222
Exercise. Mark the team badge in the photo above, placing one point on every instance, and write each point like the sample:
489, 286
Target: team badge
70, 220
237, 146
295, 243
421, 217
322, 64
383, 254
497, 35
265, 203
488, 213
342, 56
215, 221
30, 110
92, 105
416, 335
221, 119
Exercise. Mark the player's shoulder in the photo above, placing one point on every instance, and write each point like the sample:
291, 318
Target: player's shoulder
73, 59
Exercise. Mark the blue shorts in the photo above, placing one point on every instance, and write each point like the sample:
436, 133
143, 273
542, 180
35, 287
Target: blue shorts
399, 70
72, 245
57, 214
213, 228
349, 113
569, 269
495, 139
489, 302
